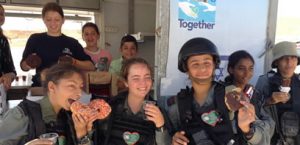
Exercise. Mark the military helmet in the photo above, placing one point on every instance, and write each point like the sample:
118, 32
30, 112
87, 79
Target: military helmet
284, 48
196, 46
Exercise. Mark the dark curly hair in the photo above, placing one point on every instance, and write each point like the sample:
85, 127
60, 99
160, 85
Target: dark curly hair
234, 59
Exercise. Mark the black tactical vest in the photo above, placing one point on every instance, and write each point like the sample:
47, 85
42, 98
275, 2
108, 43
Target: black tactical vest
192, 123
291, 106
294, 102
120, 122
36, 127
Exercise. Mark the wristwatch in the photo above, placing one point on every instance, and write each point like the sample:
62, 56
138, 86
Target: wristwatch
160, 129
83, 140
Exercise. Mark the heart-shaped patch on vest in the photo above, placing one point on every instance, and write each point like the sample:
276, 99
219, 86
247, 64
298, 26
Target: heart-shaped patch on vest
131, 138
211, 118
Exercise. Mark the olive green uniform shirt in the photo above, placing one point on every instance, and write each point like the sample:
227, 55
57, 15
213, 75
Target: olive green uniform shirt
13, 126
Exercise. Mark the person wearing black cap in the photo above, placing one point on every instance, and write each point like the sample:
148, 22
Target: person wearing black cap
199, 115
281, 91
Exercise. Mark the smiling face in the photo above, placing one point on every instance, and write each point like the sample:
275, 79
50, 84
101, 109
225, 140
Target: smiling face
200, 68
90, 36
242, 72
287, 65
128, 50
53, 21
65, 89
139, 80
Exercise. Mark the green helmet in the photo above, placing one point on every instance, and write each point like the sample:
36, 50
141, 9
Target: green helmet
196, 46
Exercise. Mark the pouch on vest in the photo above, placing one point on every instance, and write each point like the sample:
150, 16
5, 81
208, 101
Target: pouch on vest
289, 124
120, 122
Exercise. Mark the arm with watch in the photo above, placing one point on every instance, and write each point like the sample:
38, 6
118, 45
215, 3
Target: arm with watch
258, 134
85, 140
162, 136
257, 131
83, 128
154, 114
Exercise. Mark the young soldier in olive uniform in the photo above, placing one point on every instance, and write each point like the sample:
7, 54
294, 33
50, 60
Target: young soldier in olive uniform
240, 69
199, 114
283, 105
133, 121
29, 119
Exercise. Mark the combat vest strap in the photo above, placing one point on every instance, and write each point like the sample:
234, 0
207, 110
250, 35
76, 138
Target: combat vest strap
219, 95
218, 135
185, 99
70, 131
295, 91
34, 113
116, 100
37, 126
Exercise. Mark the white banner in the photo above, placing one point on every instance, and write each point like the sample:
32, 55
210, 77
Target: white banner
230, 24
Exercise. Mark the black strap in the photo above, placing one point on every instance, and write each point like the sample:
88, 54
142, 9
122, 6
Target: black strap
185, 103
219, 95
295, 93
274, 81
116, 100
109, 128
276, 119
37, 126
71, 136
34, 113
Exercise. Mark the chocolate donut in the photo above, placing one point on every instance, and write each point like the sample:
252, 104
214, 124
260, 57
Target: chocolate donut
232, 101
286, 82
233, 96
33, 60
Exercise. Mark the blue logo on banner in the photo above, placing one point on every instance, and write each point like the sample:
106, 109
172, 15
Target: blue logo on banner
196, 14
